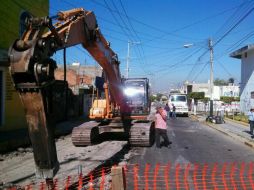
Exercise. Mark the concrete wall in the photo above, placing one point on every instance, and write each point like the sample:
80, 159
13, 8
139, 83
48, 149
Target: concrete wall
247, 81
247, 68
229, 91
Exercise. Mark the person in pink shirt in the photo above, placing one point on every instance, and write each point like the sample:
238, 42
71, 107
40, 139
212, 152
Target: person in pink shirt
161, 127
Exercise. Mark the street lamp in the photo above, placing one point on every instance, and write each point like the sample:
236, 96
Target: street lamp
187, 45
210, 47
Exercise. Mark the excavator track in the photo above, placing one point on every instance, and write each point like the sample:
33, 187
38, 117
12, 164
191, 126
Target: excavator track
141, 134
85, 134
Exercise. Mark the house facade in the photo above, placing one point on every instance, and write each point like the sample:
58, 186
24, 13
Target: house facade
246, 54
80, 80
230, 90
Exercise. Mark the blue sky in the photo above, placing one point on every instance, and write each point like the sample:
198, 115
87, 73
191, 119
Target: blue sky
162, 27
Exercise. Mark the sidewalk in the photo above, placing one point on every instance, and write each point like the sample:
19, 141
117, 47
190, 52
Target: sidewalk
234, 129
11, 140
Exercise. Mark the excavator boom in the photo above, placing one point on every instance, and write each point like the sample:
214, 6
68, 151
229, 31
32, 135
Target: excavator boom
32, 70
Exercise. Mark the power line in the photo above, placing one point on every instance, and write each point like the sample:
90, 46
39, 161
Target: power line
198, 74
182, 28
236, 44
227, 33
232, 17
110, 10
182, 61
120, 16
132, 28
192, 69
230, 75
117, 11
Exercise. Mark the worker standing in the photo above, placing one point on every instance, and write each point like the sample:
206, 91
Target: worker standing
251, 120
161, 127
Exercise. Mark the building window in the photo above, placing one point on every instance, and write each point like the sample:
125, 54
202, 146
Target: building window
22, 21
245, 54
1, 98
252, 95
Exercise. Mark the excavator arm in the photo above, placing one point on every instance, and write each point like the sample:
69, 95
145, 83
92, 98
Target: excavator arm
32, 71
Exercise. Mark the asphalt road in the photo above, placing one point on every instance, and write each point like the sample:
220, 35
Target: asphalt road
194, 142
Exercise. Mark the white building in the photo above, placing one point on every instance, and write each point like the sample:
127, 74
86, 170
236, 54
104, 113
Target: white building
218, 91
246, 54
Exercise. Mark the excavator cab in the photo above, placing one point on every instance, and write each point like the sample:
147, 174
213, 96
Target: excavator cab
136, 91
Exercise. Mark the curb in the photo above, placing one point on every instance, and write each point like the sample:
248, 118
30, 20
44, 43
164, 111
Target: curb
231, 134
235, 121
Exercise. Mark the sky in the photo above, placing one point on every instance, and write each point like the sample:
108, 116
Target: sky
158, 30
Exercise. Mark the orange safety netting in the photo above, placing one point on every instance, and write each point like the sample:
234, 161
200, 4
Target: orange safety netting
226, 176
207, 176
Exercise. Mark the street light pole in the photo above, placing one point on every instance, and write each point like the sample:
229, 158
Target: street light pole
128, 57
210, 45
127, 60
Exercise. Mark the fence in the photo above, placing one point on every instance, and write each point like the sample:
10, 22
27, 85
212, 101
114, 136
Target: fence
226, 176
204, 108
99, 179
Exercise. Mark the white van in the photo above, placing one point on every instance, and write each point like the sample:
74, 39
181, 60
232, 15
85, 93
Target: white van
180, 102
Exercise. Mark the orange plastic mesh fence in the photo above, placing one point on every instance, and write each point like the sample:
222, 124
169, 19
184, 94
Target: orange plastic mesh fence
226, 176
97, 179
207, 176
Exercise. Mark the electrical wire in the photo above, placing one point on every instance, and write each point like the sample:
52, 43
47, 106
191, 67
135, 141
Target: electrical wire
233, 27
177, 63
229, 74
235, 16
235, 45
179, 29
110, 10
200, 71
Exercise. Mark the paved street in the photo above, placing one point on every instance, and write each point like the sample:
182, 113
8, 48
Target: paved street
194, 142
200, 157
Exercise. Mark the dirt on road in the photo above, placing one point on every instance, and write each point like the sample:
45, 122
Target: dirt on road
18, 168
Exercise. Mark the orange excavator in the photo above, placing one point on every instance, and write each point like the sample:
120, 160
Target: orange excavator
124, 107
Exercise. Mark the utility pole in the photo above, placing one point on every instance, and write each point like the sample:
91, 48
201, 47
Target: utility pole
210, 45
128, 60
210, 48
128, 57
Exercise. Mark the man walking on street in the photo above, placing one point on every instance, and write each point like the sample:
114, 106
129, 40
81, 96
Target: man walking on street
167, 109
173, 111
161, 127
251, 120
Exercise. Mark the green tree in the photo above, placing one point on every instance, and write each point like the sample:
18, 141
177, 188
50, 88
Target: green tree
197, 95
153, 98
205, 99
231, 80
220, 82
228, 99
158, 96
